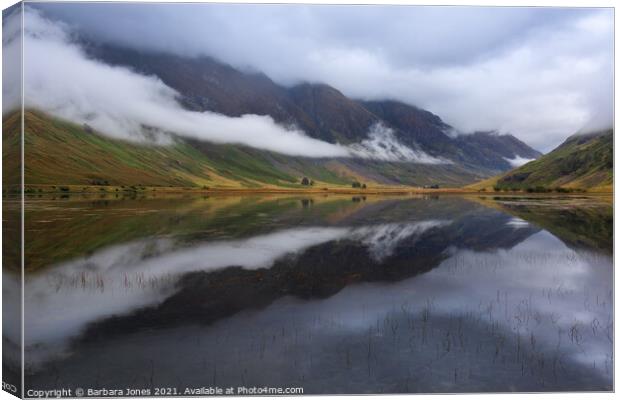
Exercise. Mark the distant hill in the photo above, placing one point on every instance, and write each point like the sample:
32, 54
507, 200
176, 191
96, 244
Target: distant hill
583, 161
321, 111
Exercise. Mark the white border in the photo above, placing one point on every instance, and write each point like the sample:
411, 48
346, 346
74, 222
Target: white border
484, 3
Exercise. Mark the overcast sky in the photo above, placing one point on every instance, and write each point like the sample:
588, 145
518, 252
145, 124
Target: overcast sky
60, 79
538, 73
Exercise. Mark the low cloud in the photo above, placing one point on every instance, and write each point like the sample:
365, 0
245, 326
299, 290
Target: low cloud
518, 161
11, 56
381, 144
602, 120
59, 79
540, 73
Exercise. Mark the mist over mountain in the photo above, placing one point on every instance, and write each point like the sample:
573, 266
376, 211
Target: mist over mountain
540, 73
319, 110
149, 95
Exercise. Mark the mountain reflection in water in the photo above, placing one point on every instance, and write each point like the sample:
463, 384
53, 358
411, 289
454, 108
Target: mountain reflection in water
376, 295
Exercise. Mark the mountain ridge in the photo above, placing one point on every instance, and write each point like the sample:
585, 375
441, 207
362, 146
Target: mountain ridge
420, 149
320, 110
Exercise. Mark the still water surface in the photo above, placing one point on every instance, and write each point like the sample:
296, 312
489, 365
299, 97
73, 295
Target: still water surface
332, 294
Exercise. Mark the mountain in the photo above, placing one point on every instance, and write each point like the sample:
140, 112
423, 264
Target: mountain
488, 150
63, 153
583, 161
321, 111
205, 84
60, 153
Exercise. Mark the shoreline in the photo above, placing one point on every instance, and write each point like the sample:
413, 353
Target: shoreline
33, 190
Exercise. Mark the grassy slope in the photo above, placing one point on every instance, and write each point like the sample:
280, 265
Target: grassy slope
11, 151
62, 153
581, 162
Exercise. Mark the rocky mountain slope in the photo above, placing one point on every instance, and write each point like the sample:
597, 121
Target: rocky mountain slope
320, 110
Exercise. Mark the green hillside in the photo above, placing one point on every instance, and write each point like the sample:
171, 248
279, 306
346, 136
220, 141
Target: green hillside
62, 153
59, 153
583, 161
